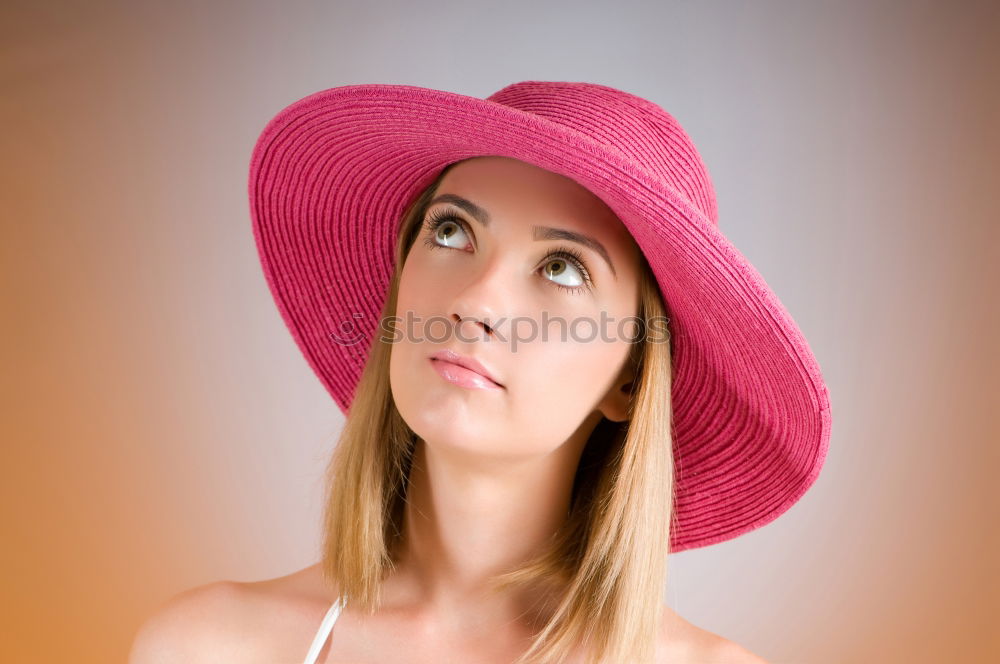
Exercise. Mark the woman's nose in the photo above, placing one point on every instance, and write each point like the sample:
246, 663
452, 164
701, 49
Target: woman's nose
470, 328
478, 308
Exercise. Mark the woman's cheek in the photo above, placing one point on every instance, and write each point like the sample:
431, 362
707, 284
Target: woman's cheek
548, 386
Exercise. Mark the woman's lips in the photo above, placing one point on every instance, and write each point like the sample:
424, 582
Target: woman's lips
463, 377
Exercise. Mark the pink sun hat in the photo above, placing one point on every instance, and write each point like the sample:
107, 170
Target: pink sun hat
332, 174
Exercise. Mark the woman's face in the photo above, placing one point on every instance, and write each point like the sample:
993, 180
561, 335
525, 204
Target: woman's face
554, 333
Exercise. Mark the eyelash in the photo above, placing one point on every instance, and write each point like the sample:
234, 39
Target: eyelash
436, 218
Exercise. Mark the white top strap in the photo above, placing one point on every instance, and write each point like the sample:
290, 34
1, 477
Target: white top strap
324, 630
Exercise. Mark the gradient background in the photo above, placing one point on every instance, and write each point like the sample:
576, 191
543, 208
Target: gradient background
161, 429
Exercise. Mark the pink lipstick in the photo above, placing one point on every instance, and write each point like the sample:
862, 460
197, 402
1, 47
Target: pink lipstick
463, 371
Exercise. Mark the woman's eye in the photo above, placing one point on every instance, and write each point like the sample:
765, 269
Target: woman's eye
561, 268
448, 233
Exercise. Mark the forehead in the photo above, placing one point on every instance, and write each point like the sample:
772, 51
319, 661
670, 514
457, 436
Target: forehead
517, 193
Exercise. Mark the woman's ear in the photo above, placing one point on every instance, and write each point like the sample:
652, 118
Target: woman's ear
615, 404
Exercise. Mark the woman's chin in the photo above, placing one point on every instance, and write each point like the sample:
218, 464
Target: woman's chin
446, 432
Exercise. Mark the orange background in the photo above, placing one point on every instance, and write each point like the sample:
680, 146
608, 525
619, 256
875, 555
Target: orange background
161, 429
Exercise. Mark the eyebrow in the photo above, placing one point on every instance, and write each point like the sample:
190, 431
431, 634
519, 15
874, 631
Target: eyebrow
540, 232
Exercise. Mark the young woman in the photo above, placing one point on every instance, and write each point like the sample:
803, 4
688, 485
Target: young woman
554, 369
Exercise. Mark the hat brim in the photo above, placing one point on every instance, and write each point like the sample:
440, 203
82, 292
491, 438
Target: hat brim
331, 175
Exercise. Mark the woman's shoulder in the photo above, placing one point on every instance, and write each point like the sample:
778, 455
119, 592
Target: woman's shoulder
195, 625
229, 621
682, 641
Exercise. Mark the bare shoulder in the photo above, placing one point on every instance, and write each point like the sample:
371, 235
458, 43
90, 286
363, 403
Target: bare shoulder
197, 625
231, 621
730, 651
682, 642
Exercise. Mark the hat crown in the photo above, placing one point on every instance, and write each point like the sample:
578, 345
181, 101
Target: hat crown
640, 130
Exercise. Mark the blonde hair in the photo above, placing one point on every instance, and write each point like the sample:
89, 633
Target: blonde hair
610, 558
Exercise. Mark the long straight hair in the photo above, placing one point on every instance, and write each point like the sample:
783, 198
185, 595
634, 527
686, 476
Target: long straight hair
607, 564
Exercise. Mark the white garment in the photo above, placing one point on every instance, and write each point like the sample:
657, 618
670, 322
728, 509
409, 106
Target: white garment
324, 631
